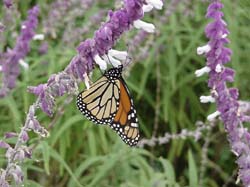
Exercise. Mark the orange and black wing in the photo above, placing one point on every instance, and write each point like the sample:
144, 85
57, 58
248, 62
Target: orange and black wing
101, 101
125, 122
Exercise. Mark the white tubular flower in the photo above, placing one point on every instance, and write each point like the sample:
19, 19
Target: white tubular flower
23, 27
147, 8
38, 37
212, 116
102, 64
218, 68
86, 80
224, 22
24, 64
202, 71
148, 27
203, 50
1, 68
112, 60
155, 3
207, 99
224, 36
121, 55
57, 78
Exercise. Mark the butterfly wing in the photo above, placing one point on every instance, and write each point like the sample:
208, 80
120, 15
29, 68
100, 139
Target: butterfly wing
101, 101
125, 122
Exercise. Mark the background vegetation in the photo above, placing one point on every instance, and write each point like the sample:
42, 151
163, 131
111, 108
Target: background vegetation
78, 153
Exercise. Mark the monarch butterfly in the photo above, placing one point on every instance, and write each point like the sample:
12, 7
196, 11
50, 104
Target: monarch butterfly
108, 101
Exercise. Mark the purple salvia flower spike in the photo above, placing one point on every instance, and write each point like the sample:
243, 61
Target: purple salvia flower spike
226, 98
12, 58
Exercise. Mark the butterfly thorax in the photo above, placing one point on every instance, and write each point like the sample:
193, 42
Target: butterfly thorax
114, 73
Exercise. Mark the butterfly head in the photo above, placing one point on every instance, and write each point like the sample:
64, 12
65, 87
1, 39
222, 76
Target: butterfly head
114, 73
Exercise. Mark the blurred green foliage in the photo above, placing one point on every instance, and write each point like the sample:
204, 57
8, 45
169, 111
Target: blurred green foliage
78, 153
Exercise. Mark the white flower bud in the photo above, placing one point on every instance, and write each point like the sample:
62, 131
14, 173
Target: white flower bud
147, 8
207, 99
212, 116
102, 64
202, 71
24, 64
121, 55
155, 3
203, 50
113, 61
224, 36
86, 80
218, 68
38, 37
148, 27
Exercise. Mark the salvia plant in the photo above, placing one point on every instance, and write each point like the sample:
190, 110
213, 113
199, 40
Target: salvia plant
149, 30
226, 98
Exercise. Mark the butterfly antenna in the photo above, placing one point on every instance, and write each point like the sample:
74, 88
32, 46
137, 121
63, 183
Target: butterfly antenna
128, 59
109, 60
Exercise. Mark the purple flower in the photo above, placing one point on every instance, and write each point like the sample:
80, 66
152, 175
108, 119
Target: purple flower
86, 52
134, 9
10, 135
4, 144
24, 136
17, 174
78, 66
46, 102
8, 3
10, 60
57, 85
226, 98
3, 182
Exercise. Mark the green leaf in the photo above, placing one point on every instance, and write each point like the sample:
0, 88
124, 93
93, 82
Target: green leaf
46, 155
59, 159
70, 122
192, 170
84, 166
169, 171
